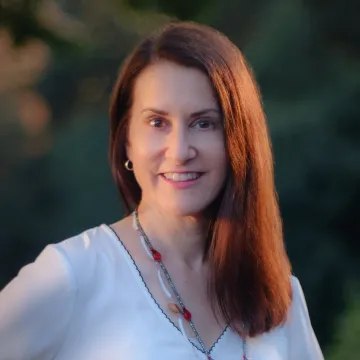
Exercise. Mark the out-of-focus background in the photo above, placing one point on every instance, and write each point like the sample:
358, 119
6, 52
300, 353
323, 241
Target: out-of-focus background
58, 63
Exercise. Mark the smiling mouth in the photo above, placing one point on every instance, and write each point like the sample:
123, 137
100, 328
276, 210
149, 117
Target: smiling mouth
180, 177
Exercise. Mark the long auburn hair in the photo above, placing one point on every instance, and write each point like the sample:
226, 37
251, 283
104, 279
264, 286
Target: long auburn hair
250, 270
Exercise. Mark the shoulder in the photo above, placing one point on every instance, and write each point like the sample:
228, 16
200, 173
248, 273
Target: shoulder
37, 306
298, 304
91, 256
298, 307
85, 250
302, 339
297, 292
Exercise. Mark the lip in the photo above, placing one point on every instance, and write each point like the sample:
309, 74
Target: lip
182, 184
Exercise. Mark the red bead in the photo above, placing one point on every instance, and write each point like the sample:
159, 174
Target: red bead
156, 255
187, 314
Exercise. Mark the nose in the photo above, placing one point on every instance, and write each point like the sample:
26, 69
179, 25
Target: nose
180, 147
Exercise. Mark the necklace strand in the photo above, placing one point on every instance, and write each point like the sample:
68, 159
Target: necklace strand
185, 312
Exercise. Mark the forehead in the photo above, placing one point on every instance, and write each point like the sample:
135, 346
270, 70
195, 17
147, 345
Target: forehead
171, 87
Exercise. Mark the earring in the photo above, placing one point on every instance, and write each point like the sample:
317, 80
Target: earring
129, 165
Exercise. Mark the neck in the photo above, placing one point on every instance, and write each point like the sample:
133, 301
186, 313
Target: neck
177, 238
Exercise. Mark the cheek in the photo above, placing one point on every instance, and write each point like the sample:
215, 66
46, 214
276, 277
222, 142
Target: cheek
215, 151
143, 144
146, 151
220, 166
219, 163
146, 157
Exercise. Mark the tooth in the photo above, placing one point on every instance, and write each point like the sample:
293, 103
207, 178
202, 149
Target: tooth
181, 176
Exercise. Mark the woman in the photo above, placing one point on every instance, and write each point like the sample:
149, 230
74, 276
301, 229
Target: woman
197, 270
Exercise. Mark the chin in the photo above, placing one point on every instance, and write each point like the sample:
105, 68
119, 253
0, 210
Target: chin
177, 208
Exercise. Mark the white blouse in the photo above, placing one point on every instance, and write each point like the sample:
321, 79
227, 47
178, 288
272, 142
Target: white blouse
85, 299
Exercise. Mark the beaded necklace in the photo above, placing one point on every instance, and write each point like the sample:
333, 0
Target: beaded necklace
178, 308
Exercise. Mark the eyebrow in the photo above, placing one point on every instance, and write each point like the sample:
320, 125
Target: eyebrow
195, 114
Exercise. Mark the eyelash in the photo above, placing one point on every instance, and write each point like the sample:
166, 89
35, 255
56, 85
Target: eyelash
211, 122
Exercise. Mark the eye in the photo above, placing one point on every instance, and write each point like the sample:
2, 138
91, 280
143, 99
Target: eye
204, 124
157, 122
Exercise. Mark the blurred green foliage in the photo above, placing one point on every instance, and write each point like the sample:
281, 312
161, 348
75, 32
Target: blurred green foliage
346, 339
20, 18
55, 181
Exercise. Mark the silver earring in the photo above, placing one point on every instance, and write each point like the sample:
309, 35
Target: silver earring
129, 165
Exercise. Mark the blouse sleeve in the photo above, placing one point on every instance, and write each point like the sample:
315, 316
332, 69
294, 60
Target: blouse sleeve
302, 340
36, 307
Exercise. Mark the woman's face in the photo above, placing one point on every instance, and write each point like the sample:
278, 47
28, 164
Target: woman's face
176, 139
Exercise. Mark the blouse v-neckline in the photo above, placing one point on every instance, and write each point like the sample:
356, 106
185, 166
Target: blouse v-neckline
148, 294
